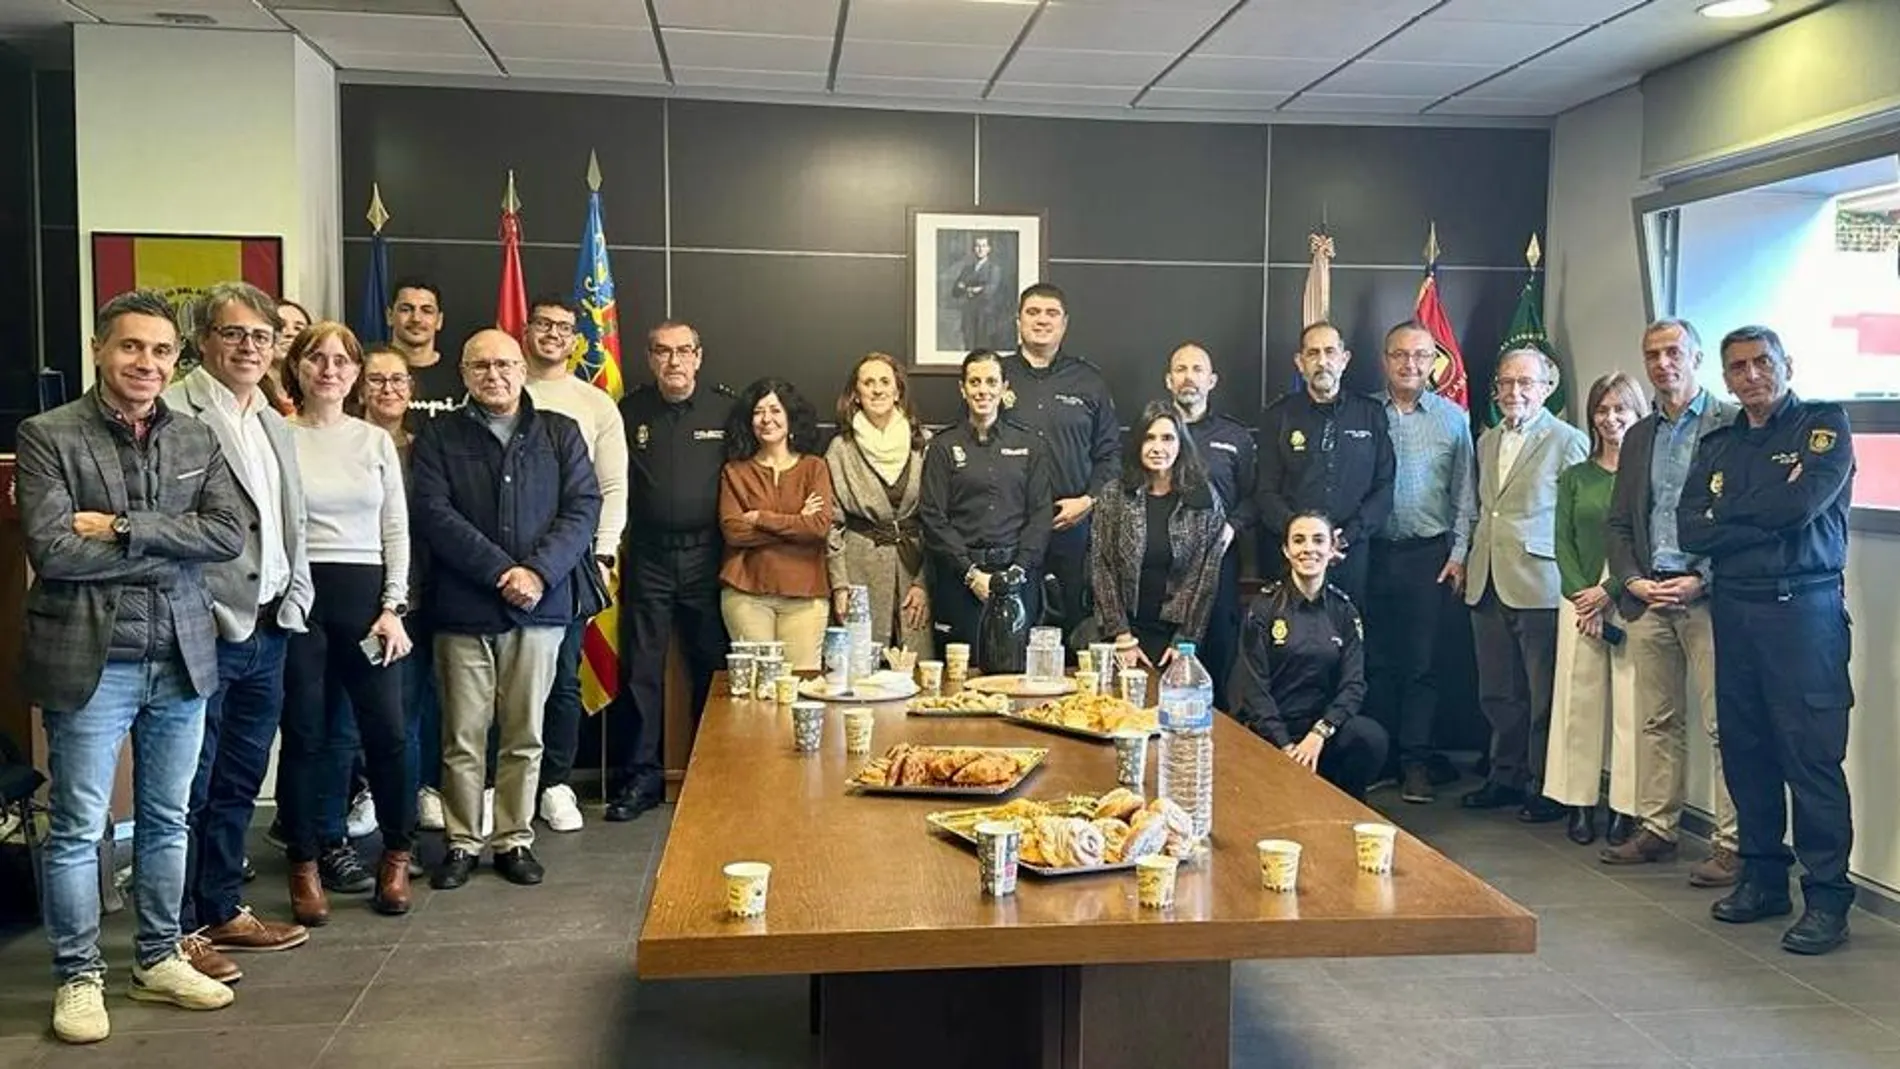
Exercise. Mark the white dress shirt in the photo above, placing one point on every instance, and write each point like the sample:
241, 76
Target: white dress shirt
257, 465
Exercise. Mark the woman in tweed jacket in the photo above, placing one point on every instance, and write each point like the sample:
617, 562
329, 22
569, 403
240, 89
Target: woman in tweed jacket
1152, 588
876, 539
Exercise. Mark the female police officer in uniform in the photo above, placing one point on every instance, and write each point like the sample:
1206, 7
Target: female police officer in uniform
1303, 671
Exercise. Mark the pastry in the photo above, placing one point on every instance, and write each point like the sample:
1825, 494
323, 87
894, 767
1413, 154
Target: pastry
986, 771
1114, 837
1087, 845
1181, 839
1120, 803
1055, 839
945, 764
1147, 835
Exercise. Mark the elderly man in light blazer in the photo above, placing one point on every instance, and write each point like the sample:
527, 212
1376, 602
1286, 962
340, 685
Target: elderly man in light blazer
122, 504
1511, 580
256, 599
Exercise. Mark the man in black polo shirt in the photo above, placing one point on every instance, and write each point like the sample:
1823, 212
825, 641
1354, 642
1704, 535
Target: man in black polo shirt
1065, 399
676, 443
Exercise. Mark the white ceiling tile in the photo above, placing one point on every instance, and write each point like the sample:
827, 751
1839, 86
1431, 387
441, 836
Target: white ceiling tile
1553, 12
413, 62
1544, 80
1305, 29
601, 44
1121, 27
230, 14
748, 52
1049, 66
777, 81
915, 88
340, 31
893, 59
1356, 104
586, 70
1210, 100
1405, 79
1478, 106
1243, 74
1034, 93
1457, 41
950, 22
34, 16
591, 13
793, 17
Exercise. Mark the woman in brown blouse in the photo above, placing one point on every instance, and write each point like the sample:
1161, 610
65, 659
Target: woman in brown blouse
775, 506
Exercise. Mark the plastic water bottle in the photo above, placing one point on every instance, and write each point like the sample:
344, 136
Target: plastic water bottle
1187, 737
857, 620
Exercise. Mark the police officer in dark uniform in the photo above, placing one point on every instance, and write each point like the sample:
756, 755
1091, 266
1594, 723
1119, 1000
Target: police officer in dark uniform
985, 503
1325, 450
676, 431
1766, 501
1065, 399
1303, 672
1227, 449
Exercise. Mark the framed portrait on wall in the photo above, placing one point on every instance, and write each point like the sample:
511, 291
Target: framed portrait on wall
182, 266
966, 268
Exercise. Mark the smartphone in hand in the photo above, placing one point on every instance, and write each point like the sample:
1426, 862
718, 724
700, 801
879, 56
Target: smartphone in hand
372, 647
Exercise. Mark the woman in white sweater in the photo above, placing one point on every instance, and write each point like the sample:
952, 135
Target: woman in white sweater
359, 564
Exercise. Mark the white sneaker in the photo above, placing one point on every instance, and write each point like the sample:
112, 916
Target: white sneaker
79, 1010
361, 821
174, 980
488, 813
560, 809
429, 815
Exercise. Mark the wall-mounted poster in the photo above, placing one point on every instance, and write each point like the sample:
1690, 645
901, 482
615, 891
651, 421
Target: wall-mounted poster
180, 266
966, 269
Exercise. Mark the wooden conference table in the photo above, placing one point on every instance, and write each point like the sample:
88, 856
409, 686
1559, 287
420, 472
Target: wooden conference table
915, 968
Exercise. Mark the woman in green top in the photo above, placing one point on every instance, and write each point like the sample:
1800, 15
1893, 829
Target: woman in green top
1594, 678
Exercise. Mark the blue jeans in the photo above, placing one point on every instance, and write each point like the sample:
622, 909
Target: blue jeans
561, 721
423, 708
155, 702
240, 725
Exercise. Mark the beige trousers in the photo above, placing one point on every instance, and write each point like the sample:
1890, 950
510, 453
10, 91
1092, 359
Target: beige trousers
797, 622
1674, 649
502, 680
1594, 694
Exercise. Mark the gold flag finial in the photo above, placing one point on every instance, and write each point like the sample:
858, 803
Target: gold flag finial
593, 170
1431, 244
377, 214
1535, 254
510, 202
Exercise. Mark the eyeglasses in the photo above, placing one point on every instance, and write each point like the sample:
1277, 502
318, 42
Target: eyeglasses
479, 368
386, 382
684, 352
1413, 356
550, 326
236, 336
1506, 385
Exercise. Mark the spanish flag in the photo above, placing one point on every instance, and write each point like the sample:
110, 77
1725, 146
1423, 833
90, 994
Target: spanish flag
182, 267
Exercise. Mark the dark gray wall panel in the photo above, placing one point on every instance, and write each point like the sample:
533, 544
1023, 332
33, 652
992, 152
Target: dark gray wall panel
1133, 190
442, 157
765, 176
1380, 187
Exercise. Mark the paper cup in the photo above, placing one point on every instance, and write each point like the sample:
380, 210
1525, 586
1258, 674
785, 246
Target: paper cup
785, 688
1131, 759
774, 648
1154, 881
1134, 684
1279, 864
808, 726
741, 671
745, 888
957, 654
1375, 845
766, 669
858, 724
930, 678
998, 852
1087, 683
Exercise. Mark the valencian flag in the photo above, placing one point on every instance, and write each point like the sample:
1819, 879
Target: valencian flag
511, 303
597, 359
1448, 371
1527, 328
372, 322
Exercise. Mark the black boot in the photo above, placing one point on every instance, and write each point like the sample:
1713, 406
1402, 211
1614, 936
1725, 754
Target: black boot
1622, 827
1583, 825
1818, 931
1751, 902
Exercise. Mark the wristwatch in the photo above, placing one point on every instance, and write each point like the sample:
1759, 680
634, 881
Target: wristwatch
605, 560
121, 527
1324, 729
399, 609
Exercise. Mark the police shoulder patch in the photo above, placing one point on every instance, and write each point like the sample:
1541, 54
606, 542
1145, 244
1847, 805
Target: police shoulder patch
1820, 440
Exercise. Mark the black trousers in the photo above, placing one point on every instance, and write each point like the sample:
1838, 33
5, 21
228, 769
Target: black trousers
1220, 646
1781, 698
664, 587
1352, 758
321, 665
1067, 558
1404, 611
1517, 665
562, 715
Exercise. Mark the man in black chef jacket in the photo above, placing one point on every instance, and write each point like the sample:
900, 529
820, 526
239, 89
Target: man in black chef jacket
1065, 399
985, 503
1325, 450
676, 444
1227, 448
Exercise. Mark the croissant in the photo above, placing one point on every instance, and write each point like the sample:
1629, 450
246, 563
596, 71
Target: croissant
1120, 803
985, 771
947, 763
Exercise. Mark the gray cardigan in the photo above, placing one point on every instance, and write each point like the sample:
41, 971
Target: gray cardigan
1626, 528
873, 557
1119, 533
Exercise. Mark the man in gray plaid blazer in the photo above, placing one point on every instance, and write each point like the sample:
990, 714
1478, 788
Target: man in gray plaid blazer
123, 503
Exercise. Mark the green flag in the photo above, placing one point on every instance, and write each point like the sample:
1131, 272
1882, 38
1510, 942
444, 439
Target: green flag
1527, 332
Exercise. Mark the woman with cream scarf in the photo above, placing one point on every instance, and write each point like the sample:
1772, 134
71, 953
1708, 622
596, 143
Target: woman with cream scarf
877, 464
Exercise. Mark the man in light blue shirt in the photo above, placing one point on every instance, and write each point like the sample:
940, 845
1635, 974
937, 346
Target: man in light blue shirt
1418, 559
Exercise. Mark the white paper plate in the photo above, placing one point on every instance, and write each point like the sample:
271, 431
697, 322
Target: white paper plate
886, 686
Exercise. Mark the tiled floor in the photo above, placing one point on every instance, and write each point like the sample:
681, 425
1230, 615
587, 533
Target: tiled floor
1630, 972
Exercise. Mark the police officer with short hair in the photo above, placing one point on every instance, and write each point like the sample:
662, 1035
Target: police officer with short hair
676, 432
1227, 449
1767, 501
985, 503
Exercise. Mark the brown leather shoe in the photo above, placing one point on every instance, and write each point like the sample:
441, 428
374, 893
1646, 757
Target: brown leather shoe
392, 883
1643, 848
246, 932
307, 901
206, 959
1720, 869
